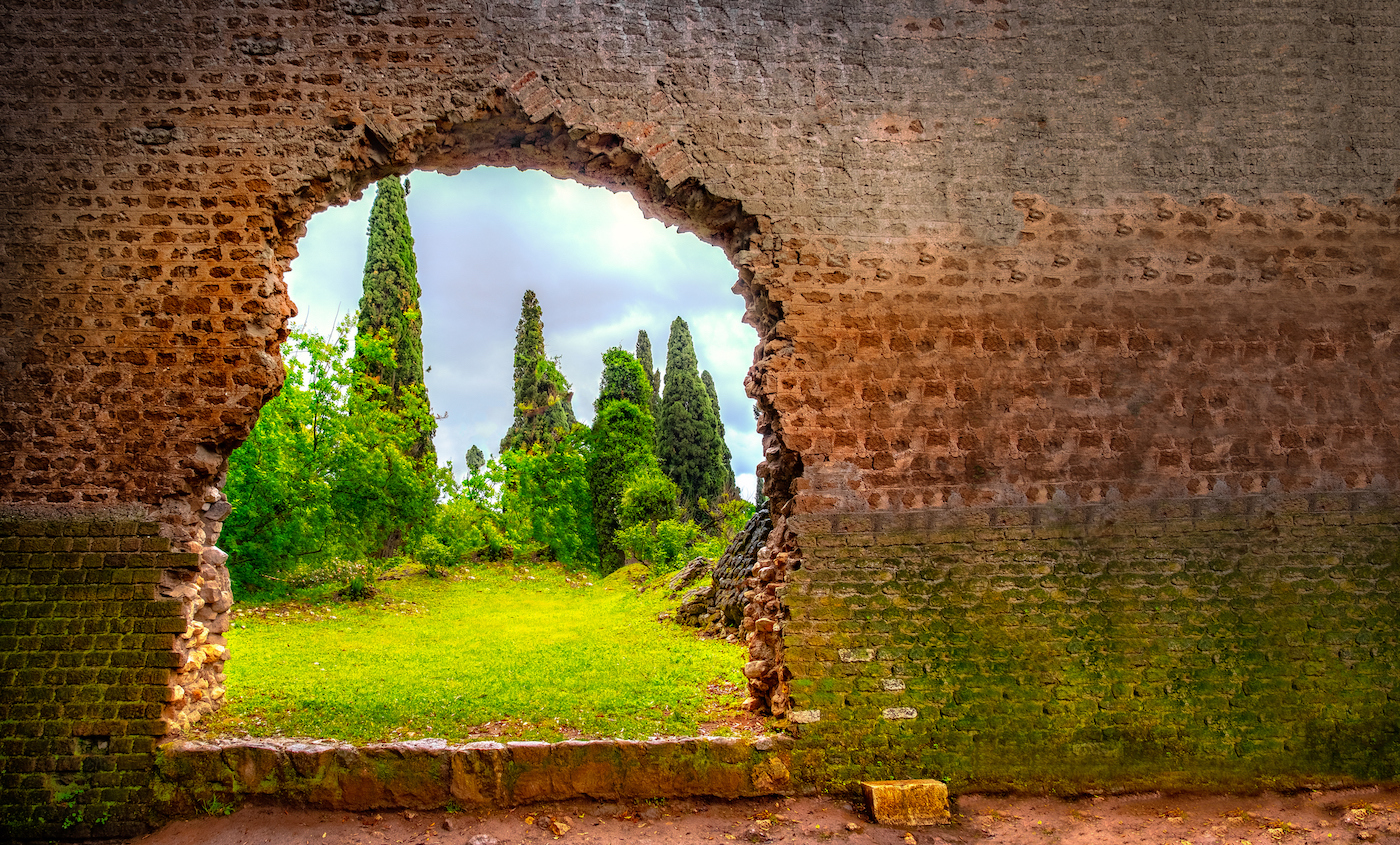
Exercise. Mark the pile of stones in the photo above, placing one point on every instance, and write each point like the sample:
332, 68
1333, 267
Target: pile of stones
718, 607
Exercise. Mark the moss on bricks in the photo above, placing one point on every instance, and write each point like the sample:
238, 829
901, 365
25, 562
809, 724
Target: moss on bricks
1180, 654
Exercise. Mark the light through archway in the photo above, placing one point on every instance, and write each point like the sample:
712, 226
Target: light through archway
602, 272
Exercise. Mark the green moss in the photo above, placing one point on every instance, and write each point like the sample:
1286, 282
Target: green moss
1172, 658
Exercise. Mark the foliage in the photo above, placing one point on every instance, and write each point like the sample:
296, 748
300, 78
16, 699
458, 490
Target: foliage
545, 502
334, 570
360, 587
434, 555
547, 655
652, 528
649, 368
475, 459
651, 497
661, 545
689, 447
389, 303
728, 516
543, 411
465, 522
326, 472
623, 379
621, 446
730, 488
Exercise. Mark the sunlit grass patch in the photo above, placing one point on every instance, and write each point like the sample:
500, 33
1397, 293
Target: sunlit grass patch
495, 652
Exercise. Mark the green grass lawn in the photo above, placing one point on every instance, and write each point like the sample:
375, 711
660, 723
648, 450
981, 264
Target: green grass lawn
496, 652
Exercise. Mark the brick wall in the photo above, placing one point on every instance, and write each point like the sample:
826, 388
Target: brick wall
1213, 644
1002, 256
86, 657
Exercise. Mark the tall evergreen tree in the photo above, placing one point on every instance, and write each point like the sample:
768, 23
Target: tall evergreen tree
653, 374
389, 304
729, 487
475, 459
688, 443
622, 446
544, 410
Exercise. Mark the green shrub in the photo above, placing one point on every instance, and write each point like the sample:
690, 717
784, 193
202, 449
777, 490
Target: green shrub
661, 546
435, 557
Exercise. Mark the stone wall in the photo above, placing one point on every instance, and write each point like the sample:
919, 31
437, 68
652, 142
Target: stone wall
1223, 643
87, 650
1002, 256
430, 774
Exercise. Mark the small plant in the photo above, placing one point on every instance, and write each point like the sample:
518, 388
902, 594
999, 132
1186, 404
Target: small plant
359, 587
218, 807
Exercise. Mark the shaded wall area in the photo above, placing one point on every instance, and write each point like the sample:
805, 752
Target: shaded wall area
87, 652
1222, 644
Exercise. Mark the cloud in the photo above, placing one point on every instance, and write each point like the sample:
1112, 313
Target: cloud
602, 271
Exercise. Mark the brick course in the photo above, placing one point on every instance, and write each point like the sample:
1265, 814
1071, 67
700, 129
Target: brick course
1084, 651
83, 691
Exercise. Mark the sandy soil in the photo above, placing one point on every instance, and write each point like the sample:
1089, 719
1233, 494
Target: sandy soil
1356, 815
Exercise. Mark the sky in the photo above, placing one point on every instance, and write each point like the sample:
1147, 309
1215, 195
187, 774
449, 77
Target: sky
601, 271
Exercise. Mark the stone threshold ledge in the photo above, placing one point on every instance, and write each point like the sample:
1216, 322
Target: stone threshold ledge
200, 777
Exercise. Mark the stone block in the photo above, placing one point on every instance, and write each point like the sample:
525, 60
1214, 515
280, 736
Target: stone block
913, 803
476, 774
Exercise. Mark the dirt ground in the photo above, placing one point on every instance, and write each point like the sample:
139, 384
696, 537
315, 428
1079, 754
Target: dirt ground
1354, 815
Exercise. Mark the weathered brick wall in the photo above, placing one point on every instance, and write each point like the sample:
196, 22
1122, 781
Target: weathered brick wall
999, 254
86, 655
1221, 643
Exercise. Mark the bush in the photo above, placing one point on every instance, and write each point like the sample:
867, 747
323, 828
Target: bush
435, 557
650, 498
661, 546
317, 573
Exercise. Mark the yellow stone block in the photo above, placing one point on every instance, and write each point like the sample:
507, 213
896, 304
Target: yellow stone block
908, 802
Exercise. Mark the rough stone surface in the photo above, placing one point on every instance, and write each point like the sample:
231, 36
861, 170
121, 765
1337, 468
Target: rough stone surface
87, 649
428, 774
915, 803
1012, 262
1107, 651
719, 605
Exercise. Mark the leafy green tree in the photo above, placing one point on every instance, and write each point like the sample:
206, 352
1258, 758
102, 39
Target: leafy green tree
649, 499
544, 411
545, 501
621, 446
652, 530
653, 374
730, 489
389, 302
327, 472
689, 447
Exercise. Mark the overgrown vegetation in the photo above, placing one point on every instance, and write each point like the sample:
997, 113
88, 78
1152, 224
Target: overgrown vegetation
339, 481
527, 652
328, 480
327, 475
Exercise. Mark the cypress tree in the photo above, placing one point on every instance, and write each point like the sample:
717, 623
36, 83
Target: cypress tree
389, 302
544, 409
689, 447
475, 459
621, 446
653, 374
729, 487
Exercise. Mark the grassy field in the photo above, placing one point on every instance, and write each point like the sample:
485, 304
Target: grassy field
496, 652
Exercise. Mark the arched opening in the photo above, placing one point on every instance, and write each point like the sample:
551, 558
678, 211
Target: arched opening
498, 133
601, 270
